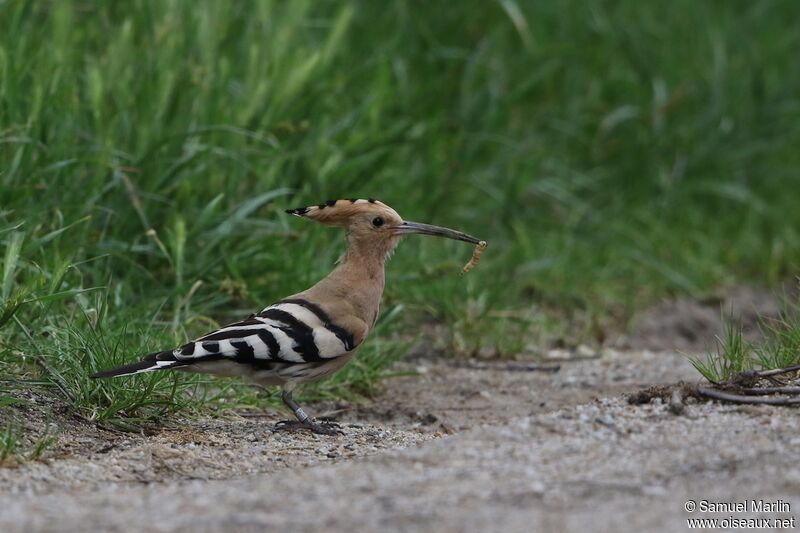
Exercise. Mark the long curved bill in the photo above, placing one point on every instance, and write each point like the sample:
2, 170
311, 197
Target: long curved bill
407, 228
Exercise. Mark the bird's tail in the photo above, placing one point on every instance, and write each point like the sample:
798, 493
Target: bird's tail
150, 362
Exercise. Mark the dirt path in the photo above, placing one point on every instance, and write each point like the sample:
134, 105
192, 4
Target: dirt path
465, 446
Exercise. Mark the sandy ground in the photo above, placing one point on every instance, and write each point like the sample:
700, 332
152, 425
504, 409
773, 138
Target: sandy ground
442, 398
464, 445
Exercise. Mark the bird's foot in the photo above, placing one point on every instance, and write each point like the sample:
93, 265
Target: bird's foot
321, 428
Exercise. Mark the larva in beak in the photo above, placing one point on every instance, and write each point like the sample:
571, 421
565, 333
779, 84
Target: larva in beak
476, 256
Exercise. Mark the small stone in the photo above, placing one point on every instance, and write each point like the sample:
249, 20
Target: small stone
585, 351
428, 419
606, 420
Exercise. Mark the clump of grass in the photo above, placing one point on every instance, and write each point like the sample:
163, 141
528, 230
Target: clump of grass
41, 445
13, 447
782, 348
734, 355
10, 437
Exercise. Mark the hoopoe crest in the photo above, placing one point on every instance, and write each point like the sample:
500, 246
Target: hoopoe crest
311, 334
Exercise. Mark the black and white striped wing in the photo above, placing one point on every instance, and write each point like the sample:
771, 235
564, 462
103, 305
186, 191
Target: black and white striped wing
290, 331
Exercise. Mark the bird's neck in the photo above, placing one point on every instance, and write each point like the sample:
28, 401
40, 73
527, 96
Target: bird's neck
359, 278
363, 265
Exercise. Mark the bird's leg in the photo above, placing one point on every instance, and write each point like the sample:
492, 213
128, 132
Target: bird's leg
303, 420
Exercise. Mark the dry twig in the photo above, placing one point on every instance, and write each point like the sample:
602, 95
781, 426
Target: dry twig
747, 387
716, 394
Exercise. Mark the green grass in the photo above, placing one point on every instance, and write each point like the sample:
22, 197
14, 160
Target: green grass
611, 153
9, 442
15, 448
734, 355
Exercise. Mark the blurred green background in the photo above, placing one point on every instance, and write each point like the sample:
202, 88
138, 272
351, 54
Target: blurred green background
611, 153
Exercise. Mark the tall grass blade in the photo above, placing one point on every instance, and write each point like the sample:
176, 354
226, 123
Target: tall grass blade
10, 260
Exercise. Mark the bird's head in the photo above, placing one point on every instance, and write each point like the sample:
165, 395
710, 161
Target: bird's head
372, 223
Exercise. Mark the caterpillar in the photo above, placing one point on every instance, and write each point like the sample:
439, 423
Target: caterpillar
476, 256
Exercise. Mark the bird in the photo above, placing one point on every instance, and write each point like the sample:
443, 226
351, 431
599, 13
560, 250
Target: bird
309, 335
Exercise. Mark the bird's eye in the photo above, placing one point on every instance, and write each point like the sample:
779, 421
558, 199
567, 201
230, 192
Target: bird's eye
377, 222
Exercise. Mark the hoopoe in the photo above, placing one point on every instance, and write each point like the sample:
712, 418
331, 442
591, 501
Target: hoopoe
312, 334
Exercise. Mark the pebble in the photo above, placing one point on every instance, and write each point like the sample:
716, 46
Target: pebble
606, 420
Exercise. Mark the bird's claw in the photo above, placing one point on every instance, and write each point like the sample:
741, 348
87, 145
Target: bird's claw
321, 428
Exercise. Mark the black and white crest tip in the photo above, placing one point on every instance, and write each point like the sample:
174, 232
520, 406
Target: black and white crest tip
332, 204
